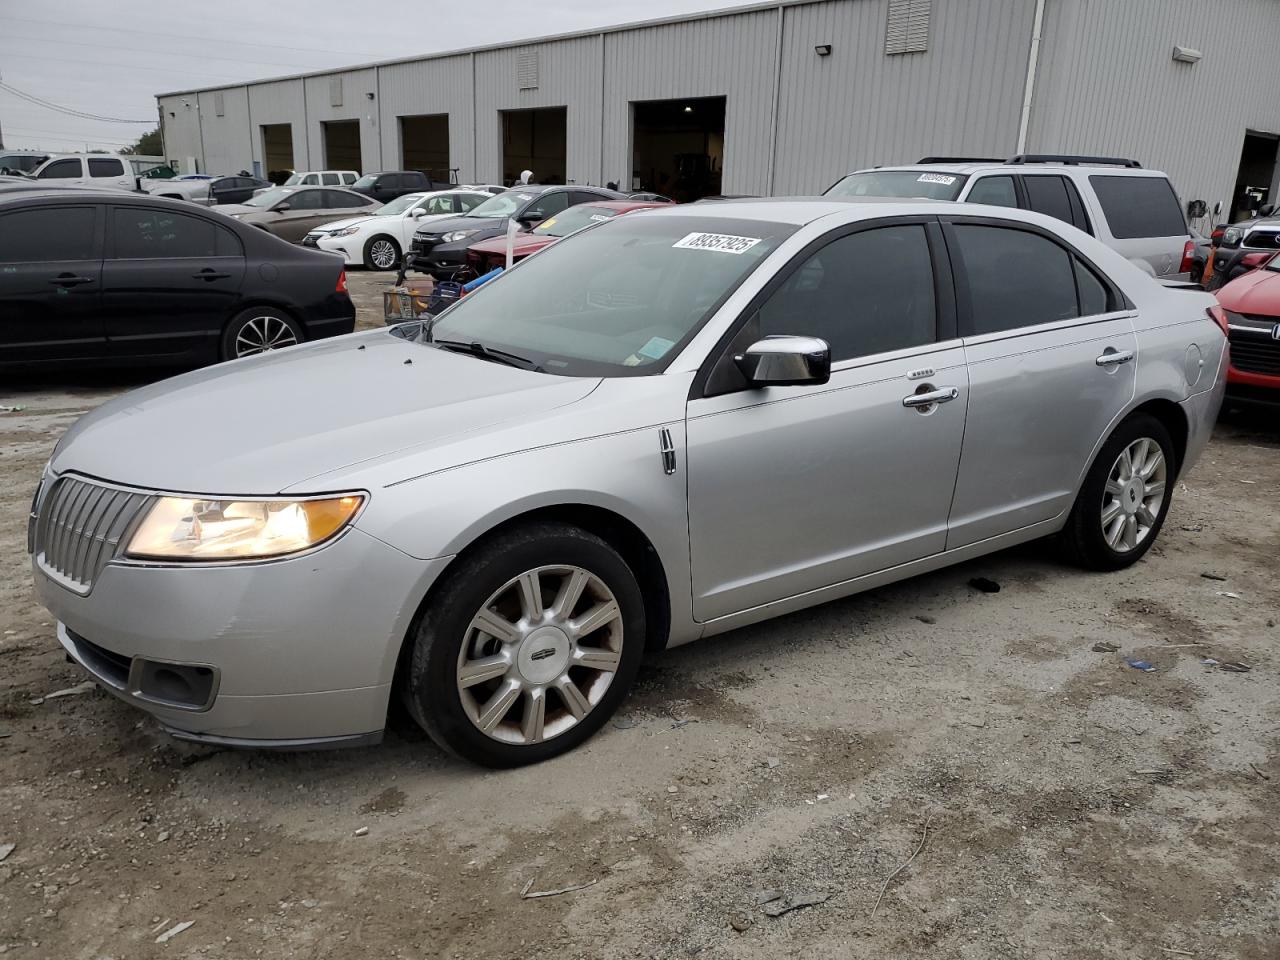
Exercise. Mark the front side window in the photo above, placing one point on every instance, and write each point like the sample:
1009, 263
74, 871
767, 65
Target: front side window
400, 205
620, 303
366, 182
866, 293
1139, 206
310, 180
994, 191
348, 178
922, 184
47, 234
105, 167
60, 170
146, 234
1016, 278
440, 204
269, 198
547, 205
469, 201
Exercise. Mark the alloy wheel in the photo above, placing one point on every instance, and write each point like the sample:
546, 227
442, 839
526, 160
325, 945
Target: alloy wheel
383, 254
262, 334
1134, 495
540, 654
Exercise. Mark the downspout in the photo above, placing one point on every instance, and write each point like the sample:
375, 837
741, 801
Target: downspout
773, 108
1029, 88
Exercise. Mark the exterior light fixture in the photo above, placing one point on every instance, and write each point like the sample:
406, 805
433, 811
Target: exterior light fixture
1186, 54
823, 49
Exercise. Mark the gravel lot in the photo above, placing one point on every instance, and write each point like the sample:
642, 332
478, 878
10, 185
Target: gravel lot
1075, 807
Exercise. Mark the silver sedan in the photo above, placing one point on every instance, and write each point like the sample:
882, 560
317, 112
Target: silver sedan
667, 426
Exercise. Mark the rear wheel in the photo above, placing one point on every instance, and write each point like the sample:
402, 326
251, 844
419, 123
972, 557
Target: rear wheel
1125, 497
259, 330
381, 253
528, 647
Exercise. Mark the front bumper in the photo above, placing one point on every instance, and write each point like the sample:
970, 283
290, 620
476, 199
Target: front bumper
442, 260
302, 650
350, 257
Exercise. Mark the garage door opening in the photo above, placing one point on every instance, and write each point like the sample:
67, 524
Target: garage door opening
534, 140
342, 145
678, 147
424, 145
1256, 177
277, 151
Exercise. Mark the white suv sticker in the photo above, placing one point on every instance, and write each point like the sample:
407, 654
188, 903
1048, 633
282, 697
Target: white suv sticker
935, 178
718, 242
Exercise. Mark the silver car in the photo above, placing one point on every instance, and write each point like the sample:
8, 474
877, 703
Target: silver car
667, 426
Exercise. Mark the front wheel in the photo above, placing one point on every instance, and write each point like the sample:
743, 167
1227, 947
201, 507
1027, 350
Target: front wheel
381, 253
1125, 497
528, 646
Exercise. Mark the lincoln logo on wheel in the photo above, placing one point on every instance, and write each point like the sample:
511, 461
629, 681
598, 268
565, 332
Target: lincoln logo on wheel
543, 654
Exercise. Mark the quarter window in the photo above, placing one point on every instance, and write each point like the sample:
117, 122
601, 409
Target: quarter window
339, 200
146, 234
47, 234
996, 191
61, 170
1139, 206
865, 293
1016, 278
105, 167
1095, 298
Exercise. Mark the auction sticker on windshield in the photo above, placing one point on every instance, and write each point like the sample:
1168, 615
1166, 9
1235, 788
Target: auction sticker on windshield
935, 178
718, 242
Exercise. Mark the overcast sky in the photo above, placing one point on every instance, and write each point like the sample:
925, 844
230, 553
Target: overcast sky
110, 60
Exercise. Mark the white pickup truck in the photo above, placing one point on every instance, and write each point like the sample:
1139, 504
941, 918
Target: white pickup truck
93, 170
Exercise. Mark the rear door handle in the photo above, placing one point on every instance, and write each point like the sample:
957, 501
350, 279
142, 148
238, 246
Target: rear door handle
941, 395
1112, 358
69, 280
209, 274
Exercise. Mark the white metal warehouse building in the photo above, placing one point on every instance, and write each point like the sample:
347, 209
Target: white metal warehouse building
784, 98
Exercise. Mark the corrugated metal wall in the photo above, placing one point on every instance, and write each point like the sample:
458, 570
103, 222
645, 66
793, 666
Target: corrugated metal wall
280, 102
1108, 84
731, 56
227, 146
180, 122
355, 106
428, 86
859, 107
568, 76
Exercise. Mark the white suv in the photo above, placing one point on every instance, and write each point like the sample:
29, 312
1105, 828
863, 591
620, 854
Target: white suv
87, 170
1132, 210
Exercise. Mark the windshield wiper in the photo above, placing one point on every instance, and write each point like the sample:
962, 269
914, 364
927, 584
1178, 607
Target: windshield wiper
478, 349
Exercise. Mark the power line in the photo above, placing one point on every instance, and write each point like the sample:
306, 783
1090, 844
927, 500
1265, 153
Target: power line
151, 50
132, 66
47, 135
70, 111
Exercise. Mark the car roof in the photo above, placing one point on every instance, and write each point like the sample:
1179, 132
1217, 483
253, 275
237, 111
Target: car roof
622, 206
797, 210
969, 169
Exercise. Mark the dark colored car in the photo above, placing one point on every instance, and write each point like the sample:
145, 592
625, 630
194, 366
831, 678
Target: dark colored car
1243, 246
1252, 303
386, 186
104, 276
235, 189
440, 248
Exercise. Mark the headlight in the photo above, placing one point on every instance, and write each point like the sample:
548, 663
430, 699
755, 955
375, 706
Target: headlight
1231, 237
344, 232
457, 235
177, 528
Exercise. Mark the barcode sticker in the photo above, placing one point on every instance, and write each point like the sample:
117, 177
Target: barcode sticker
935, 178
717, 242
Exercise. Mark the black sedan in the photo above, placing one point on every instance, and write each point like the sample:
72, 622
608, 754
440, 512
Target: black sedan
235, 189
440, 247
105, 277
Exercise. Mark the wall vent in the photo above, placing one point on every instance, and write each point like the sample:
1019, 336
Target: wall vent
907, 30
335, 91
219, 106
527, 70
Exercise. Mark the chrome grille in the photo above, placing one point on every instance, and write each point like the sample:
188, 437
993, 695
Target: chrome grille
81, 526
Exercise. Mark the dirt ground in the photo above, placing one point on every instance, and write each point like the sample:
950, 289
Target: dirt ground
1046, 799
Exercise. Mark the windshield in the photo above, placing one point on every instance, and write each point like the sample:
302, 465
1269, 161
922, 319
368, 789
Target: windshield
1274, 263
927, 184
272, 196
398, 205
366, 181
293, 180
572, 220
502, 205
618, 302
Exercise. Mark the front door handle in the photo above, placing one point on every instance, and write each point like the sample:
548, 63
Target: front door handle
208, 273
941, 395
1112, 358
70, 280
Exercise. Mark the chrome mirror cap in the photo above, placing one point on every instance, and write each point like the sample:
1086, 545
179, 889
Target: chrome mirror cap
783, 361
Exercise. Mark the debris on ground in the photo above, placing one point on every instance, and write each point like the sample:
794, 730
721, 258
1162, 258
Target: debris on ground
6, 849
12, 409
740, 922
1213, 576
1105, 646
1235, 667
1264, 776
623, 723
528, 893
362, 831
765, 896
173, 931
1230, 595
1209, 662
779, 905
924, 833
86, 687
925, 618
1146, 666
772, 762
984, 585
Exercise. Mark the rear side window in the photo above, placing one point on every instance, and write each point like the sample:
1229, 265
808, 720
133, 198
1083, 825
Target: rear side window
1056, 197
340, 199
145, 234
105, 167
1016, 278
348, 178
1139, 206
996, 191
47, 234
865, 293
61, 170
329, 179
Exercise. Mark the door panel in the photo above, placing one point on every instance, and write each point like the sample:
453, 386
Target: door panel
796, 488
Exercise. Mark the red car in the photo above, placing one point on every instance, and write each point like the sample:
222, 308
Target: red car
487, 254
1252, 303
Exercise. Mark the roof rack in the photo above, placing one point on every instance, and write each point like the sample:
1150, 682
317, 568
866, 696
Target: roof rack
1072, 160
925, 160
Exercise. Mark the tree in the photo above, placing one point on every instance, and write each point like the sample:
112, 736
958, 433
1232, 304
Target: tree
148, 145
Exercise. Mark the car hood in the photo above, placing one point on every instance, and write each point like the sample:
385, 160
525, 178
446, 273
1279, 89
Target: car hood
242, 209
266, 424
1258, 291
349, 222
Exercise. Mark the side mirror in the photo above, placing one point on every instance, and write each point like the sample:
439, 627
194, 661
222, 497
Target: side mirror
417, 213
785, 361
529, 222
1196, 209
282, 207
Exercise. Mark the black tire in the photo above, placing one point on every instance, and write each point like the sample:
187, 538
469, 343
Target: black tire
245, 324
369, 252
430, 687
1083, 538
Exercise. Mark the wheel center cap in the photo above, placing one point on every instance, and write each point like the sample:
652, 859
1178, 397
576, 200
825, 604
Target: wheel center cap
1132, 496
543, 654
